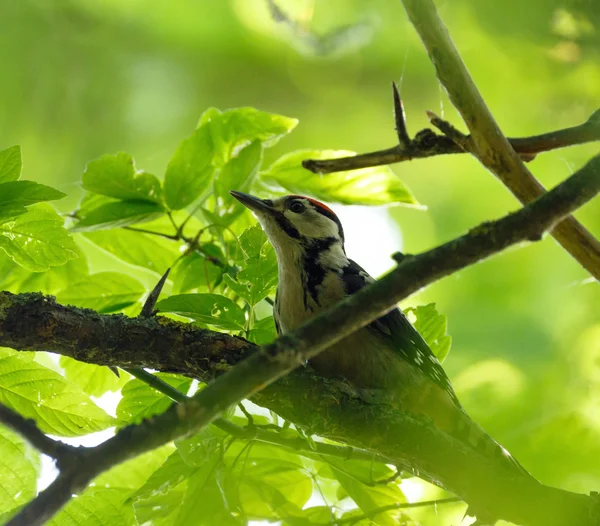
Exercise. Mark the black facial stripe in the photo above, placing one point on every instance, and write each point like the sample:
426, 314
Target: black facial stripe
286, 225
334, 218
314, 272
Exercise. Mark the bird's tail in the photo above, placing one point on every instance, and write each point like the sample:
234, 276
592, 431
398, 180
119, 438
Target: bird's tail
472, 434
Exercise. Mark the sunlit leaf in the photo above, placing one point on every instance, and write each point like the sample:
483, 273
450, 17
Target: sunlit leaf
195, 271
367, 186
238, 174
369, 498
118, 214
37, 240
142, 401
10, 164
24, 193
95, 380
190, 170
432, 326
209, 309
104, 292
258, 277
115, 176
139, 249
96, 506
20, 466
58, 406
166, 477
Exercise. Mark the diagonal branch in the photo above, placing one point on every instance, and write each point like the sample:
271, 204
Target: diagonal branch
401, 436
490, 146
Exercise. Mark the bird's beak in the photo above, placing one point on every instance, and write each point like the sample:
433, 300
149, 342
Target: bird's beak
255, 204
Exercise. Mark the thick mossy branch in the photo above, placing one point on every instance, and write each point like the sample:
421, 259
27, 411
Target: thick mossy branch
33, 322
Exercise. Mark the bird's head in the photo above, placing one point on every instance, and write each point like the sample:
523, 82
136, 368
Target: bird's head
295, 222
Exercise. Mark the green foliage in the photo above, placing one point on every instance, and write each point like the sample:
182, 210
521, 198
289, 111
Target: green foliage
132, 226
20, 468
58, 406
432, 326
368, 186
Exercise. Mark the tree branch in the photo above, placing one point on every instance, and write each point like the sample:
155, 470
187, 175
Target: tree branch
490, 146
28, 430
30, 321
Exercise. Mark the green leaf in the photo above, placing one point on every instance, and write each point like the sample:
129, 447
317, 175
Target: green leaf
194, 271
117, 214
432, 326
258, 277
196, 449
15, 194
366, 472
96, 506
104, 292
56, 278
115, 176
95, 380
238, 174
190, 170
367, 186
20, 467
209, 309
142, 250
37, 240
170, 474
140, 401
249, 124
58, 406
11, 164
264, 331
369, 498
269, 481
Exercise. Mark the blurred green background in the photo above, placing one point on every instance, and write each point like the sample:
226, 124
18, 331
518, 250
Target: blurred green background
81, 78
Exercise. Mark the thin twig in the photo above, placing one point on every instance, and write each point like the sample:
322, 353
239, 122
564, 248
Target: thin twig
290, 350
429, 144
172, 237
490, 146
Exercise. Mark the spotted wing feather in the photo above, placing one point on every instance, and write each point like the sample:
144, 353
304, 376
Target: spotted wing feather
405, 339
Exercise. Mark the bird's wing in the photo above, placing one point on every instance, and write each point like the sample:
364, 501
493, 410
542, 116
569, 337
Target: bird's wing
403, 337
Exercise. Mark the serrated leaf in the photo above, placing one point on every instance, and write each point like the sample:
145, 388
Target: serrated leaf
209, 309
190, 170
142, 250
15, 194
117, 214
56, 278
258, 276
432, 326
20, 467
115, 176
58, 406
95, 506
104, 292
140, 401
37, 240
369, 498
95, 380
11, 164
367, 186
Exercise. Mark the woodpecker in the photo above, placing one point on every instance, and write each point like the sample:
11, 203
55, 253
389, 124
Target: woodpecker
389, 354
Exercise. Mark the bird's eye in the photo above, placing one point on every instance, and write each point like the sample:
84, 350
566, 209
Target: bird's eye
297, 207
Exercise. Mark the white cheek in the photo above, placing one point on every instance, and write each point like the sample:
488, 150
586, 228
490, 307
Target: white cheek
312, 224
